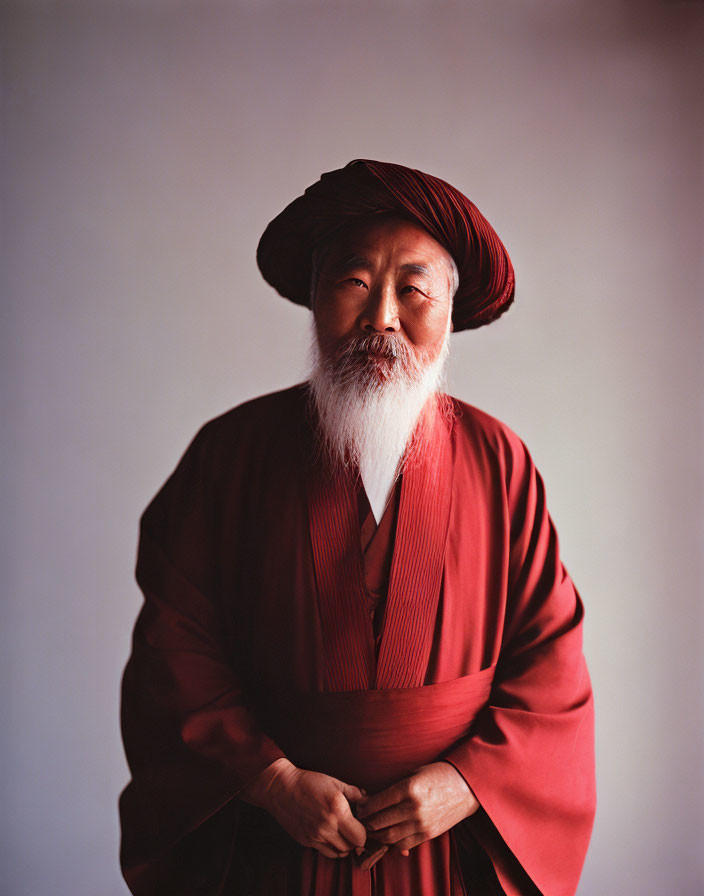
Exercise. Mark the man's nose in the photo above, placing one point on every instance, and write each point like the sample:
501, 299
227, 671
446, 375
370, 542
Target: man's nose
380, 314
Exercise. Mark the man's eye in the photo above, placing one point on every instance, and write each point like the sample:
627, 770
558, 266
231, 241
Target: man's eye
410, 288
355, 281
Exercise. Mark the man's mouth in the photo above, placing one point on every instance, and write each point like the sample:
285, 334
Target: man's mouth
376, 355
377, 349
378, 361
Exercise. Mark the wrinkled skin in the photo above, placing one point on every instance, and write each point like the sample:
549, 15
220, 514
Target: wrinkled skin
389, 278
315, 809
424, 805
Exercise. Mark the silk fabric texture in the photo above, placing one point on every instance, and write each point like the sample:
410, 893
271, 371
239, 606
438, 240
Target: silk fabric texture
255, 642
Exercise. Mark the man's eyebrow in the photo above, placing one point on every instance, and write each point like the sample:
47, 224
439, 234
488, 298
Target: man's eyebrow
415, 268
348, 262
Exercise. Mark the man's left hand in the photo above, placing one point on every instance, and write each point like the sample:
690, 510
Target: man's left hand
426, 804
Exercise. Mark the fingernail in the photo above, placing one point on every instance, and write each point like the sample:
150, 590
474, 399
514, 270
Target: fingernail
359, 850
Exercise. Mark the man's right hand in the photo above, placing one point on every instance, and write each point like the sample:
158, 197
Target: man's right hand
312, 807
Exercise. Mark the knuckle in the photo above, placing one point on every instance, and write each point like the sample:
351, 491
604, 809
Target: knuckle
337, 802
413, 791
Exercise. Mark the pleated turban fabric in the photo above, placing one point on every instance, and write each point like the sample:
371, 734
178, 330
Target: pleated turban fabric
364, 188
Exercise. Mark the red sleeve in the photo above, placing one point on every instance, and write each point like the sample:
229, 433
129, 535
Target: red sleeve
190, 741
530, 758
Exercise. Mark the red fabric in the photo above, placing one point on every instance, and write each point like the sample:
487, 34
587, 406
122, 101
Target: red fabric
366, 187
251, 566
377, 550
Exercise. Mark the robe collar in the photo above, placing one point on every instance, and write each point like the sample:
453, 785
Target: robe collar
416, 569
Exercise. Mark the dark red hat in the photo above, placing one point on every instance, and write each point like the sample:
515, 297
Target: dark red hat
365, 187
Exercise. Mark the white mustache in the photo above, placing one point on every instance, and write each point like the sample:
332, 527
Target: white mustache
376, 344
357, 361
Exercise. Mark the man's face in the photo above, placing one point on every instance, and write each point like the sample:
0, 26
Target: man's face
389, 278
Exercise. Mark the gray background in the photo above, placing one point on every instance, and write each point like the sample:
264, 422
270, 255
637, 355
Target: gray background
146, 147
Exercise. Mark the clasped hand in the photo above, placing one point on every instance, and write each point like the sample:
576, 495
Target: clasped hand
422, 806
312, 807
316, 809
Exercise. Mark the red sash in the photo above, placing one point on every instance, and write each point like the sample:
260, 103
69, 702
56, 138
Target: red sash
374, 738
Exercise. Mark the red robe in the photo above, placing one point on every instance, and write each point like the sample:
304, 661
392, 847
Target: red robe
255, 641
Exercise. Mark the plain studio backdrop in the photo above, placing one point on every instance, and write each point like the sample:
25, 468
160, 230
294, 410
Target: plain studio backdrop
146, 147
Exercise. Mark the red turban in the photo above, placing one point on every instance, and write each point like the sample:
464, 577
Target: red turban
364, 187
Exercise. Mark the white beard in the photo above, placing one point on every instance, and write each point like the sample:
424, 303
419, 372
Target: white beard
372, 411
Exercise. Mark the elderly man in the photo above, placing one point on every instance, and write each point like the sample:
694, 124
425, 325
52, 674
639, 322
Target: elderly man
358, 668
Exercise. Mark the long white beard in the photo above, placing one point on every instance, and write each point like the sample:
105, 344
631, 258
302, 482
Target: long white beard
373, 399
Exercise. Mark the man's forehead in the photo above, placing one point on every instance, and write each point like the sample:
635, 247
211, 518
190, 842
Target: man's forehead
413, 249
367, 262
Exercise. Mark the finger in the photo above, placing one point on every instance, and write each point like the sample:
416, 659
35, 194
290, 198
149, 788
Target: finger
394, 815
337, 842
356, 804
395, 833
405, 845
325, 849
352, 830
382, 800
354, 794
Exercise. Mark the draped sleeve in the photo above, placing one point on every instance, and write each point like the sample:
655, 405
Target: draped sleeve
530, 756
190, 740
